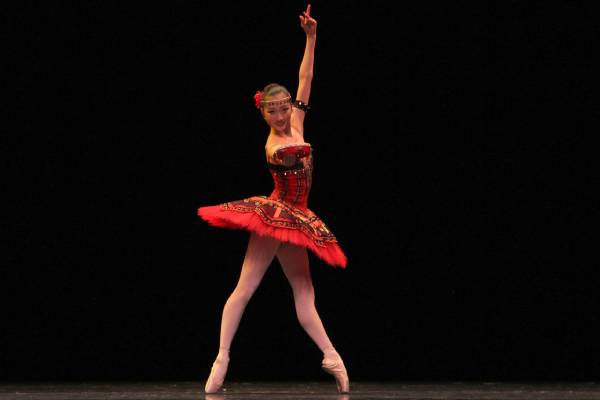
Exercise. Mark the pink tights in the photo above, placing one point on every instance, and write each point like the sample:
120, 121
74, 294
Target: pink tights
294, 261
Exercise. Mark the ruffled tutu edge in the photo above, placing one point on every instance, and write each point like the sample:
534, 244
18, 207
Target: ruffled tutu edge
331, 252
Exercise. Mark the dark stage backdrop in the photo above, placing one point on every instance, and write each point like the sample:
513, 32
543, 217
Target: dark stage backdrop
452, 161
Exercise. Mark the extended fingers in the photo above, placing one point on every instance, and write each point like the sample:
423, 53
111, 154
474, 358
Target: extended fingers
305, 18
307, 13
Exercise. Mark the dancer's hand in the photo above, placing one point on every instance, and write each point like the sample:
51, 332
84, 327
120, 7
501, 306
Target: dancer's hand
308, 23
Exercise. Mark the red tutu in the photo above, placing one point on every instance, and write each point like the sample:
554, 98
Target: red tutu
283, 215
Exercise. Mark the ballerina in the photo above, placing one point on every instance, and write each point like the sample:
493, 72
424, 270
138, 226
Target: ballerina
281, 225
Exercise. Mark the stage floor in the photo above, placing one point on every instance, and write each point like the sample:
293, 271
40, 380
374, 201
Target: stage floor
300, 391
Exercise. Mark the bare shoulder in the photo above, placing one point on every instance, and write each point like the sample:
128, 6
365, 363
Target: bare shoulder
297, 135
272, 143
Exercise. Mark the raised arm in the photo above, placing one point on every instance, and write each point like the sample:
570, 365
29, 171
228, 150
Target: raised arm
309, 25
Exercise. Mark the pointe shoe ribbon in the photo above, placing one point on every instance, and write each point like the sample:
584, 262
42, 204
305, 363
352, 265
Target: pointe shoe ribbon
338, 370
217, 375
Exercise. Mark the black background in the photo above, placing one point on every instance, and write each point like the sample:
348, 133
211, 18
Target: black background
453, 161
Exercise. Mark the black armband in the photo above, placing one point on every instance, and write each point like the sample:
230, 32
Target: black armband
301, 105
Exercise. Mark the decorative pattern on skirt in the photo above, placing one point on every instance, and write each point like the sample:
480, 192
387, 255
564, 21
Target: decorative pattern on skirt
268, 217
283, 215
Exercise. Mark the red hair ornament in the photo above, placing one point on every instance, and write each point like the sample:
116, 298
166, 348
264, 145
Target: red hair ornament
257, 98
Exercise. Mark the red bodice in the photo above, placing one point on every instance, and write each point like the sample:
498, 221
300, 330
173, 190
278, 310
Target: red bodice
292, 184
284, 215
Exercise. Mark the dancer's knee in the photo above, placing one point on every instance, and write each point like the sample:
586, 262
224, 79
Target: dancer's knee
243, 294
303, 292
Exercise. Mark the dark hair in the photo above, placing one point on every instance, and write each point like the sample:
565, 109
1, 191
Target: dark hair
274, 88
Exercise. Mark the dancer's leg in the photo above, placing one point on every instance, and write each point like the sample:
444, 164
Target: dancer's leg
294, 261
259, 255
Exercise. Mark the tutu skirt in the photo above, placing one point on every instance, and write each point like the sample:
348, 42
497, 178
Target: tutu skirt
270, 217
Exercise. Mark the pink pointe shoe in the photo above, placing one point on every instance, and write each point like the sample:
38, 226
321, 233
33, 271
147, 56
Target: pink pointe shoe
217, 374
333, 364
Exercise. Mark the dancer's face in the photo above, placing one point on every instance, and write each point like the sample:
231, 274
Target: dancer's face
278, 115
